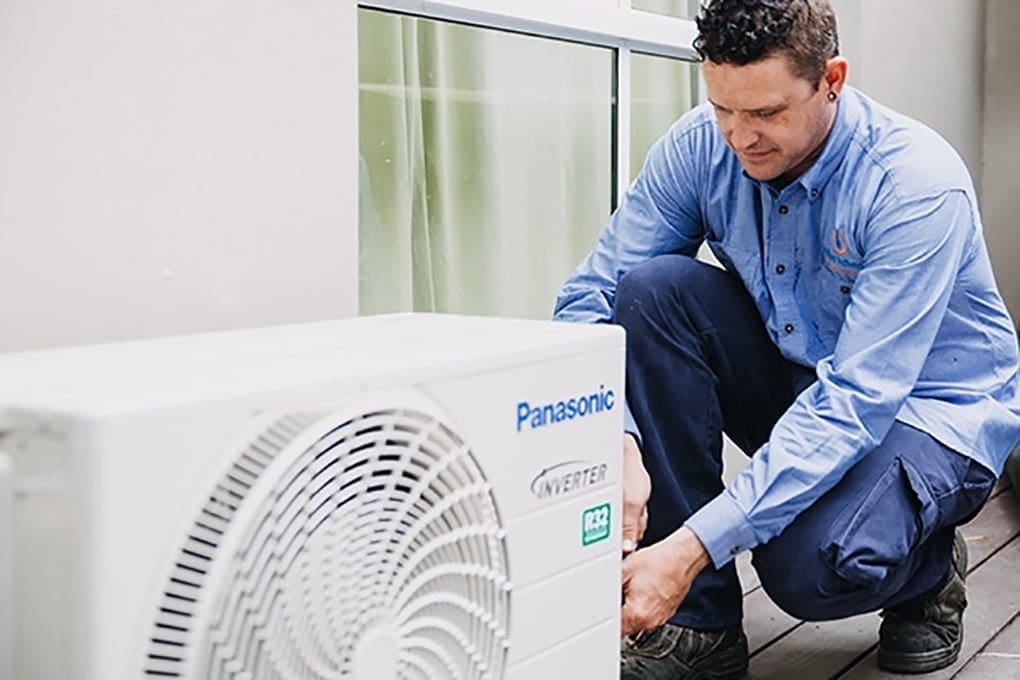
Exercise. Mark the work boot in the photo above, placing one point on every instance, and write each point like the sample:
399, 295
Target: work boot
927, 636
1013, 470
673, 652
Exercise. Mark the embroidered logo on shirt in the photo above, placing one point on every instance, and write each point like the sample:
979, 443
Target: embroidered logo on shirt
835, 255
839, 244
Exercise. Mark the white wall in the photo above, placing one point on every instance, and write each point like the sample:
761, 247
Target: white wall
1000, 200
954, 65
172, 167
924, 58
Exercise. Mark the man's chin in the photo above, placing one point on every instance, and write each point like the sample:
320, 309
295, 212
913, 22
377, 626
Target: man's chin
764, 168
760, 173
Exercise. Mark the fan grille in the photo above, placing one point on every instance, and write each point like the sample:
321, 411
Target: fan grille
379, 547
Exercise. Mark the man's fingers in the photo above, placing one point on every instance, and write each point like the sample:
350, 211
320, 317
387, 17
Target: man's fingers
633, 619
634, 526
636, 489
628, 625
630, 539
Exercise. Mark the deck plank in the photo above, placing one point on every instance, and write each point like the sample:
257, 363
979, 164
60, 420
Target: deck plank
816, 650
748, 576
782, 646
764, 621
999, 659
994, 591
1007, 642
996, 524
985, 667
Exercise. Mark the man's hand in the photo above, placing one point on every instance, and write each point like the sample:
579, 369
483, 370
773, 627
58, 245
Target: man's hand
637, 487
657, 578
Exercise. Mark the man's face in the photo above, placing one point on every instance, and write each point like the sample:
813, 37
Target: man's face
773, 120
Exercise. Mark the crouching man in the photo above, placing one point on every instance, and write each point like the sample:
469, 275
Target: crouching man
854, 346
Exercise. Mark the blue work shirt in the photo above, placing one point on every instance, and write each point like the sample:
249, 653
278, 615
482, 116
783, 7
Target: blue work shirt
870, 267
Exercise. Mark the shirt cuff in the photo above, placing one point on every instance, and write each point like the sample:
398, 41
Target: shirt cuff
723, 529
629, 424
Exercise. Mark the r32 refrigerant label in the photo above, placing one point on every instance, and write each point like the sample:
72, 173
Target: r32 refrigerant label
595, 524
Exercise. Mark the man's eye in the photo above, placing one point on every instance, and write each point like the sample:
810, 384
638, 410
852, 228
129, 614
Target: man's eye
767, 114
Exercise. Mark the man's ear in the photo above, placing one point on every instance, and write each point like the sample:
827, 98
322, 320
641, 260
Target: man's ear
835, 74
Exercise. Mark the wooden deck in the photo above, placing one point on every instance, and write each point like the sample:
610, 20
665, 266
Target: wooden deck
784, 648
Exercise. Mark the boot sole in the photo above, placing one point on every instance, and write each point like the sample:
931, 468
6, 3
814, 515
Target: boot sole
924, 662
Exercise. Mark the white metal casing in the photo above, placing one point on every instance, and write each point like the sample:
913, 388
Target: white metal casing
113, 448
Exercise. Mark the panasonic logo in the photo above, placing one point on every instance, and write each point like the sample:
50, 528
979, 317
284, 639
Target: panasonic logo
567, 477
534, 416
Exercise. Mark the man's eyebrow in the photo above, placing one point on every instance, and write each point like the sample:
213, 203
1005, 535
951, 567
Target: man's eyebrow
764, 109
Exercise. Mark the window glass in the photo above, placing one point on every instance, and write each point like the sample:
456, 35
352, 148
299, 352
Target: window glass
485, 165
662, 89
685, 9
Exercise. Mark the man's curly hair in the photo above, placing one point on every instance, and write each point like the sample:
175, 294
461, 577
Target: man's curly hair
741, 32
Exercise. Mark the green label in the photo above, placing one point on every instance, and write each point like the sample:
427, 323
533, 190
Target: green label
595, 524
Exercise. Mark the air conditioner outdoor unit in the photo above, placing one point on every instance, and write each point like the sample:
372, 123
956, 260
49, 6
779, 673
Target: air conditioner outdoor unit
406, 496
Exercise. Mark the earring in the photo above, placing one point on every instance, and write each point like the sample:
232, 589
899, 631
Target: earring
832, 96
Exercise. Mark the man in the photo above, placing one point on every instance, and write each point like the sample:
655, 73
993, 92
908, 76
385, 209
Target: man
855, 345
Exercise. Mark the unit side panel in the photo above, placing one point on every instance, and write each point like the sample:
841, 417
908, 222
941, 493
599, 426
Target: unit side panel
533, 446
585, 656
557, 484
46, 587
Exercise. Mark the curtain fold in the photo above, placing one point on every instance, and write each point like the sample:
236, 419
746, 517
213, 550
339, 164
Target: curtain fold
486, 164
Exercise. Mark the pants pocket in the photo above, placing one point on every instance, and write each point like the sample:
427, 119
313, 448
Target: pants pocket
875, 534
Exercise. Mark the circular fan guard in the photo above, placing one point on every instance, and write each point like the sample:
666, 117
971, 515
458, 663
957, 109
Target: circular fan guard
375, 551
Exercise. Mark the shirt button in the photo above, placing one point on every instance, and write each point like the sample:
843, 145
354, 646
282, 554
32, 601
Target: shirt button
783, 210
788, 328
735, 550
814, 192
844, 289
780, 268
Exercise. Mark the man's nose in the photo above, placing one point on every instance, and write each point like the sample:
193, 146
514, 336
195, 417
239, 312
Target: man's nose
744, 133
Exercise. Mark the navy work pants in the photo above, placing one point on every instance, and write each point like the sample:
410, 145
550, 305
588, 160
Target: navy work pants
699, 362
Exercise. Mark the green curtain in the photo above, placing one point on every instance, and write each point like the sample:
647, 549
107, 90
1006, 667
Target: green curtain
661, 91
486, 165
486, 161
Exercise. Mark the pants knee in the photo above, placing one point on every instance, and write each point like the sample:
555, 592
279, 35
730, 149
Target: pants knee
805, 584
796, 585
661, 282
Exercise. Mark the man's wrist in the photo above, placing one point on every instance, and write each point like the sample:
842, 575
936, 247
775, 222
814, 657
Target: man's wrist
689, 550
